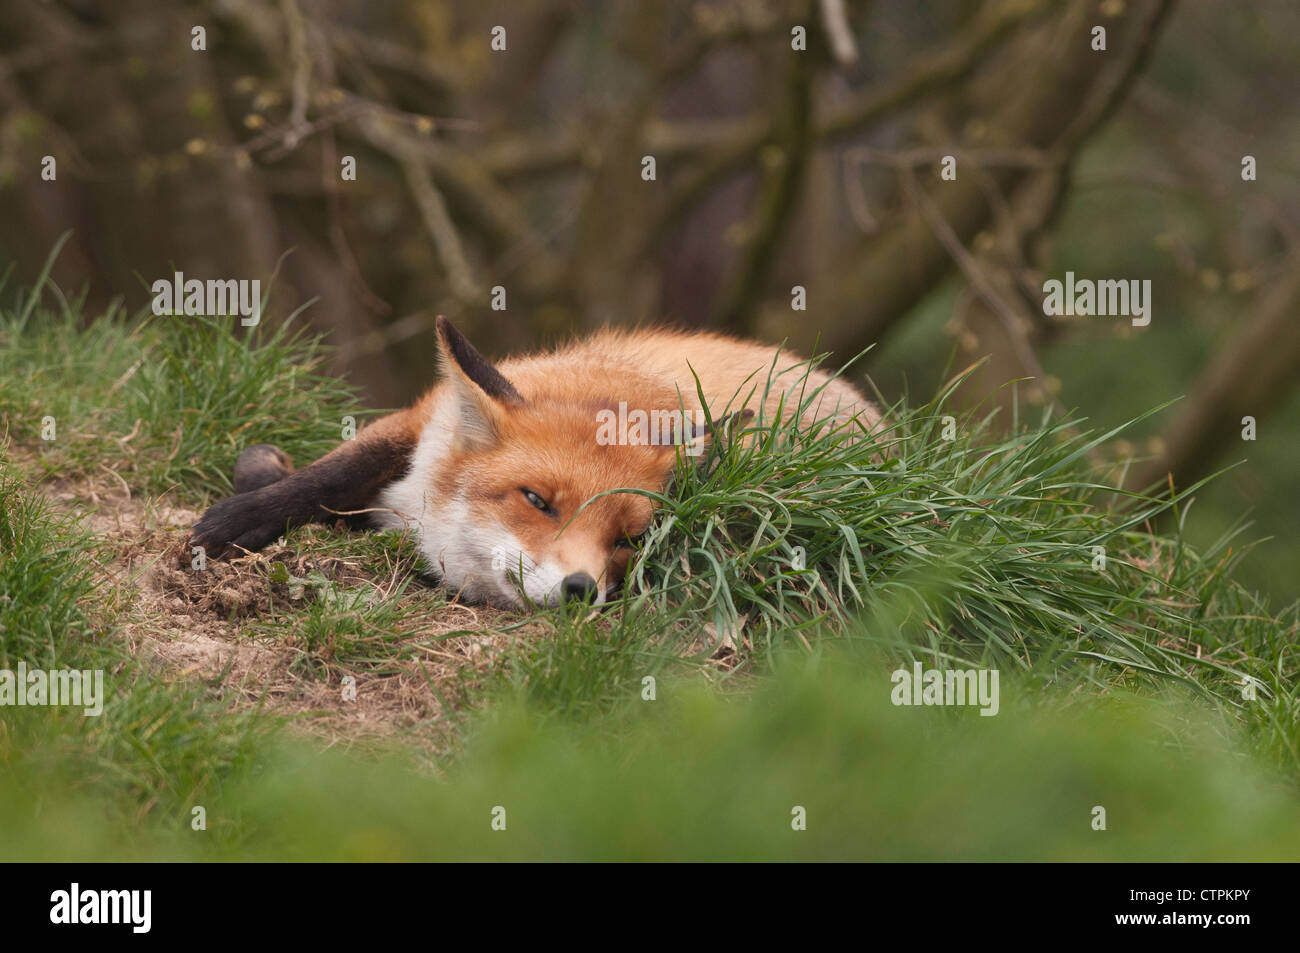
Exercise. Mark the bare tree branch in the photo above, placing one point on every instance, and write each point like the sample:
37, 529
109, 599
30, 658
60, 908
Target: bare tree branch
739, 144
776, 204
1250, 377
895, 269
835, 21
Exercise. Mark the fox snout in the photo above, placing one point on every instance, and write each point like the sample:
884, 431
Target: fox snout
550, 582
578, 587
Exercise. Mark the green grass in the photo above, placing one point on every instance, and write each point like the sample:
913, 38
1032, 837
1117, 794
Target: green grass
43, 555
157, 742
696, 775
1120, 688
335, 621
166, 402
979, 551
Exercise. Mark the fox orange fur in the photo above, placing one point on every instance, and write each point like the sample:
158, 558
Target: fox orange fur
492, 466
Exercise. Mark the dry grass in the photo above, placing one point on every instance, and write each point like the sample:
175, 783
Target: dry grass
233, 624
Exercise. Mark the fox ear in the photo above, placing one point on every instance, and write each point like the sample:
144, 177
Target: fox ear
460, 357
481, 391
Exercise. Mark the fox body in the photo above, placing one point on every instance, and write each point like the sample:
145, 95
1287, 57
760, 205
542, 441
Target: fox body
492, 467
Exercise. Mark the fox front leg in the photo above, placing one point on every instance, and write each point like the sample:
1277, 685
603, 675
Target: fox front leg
348, 478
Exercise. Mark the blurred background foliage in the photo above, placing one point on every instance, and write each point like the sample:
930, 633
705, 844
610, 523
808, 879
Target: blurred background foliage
522, 168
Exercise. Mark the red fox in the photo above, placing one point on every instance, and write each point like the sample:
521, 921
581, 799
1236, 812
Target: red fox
492, 465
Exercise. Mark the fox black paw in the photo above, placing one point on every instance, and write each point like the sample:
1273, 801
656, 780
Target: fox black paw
236, 523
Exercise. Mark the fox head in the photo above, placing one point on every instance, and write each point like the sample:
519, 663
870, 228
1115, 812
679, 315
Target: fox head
516, 488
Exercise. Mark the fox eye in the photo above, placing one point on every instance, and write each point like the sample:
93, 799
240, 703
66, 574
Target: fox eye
537, 501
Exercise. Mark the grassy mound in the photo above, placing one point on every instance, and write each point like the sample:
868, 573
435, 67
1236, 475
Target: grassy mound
743, 675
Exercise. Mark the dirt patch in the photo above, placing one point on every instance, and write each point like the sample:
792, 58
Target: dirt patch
240, 625
253, 585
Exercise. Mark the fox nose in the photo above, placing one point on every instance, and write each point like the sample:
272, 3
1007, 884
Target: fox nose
578, 585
